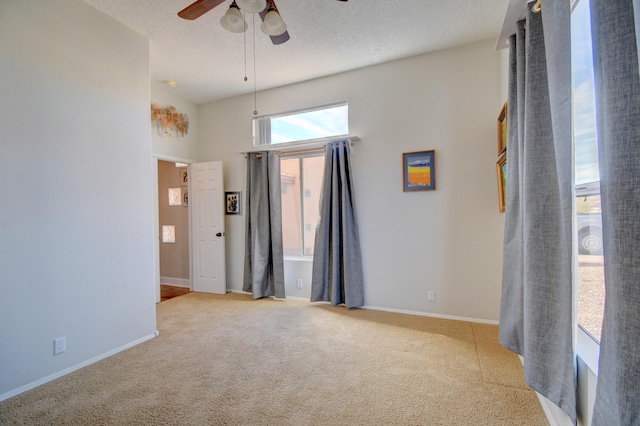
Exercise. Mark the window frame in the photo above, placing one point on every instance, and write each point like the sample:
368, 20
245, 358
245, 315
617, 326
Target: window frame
300, 149
256, 126
300, 158
586, 346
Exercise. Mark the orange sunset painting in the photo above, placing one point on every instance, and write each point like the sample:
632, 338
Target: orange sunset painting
418, 171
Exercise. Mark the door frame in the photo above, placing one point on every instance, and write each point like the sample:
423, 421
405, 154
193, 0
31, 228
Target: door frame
156, 218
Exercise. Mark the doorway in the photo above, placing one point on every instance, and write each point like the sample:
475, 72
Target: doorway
172, 228
193, 230
170, 291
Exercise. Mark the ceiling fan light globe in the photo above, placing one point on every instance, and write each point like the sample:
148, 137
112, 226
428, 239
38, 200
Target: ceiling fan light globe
233, 21
252, 6
273, 25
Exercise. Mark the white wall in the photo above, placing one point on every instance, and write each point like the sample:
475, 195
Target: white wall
449, 240
76, 253
504, 69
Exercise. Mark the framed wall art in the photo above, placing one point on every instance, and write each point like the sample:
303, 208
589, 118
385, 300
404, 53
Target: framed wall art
502, 130
501, 170
184, 176
419, 171
185, 197
174, 196
232, 202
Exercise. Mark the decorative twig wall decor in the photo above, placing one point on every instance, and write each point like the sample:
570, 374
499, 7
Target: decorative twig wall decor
168, 118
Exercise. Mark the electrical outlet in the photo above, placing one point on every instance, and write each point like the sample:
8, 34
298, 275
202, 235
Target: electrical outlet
59, 345
299, 283
431, 296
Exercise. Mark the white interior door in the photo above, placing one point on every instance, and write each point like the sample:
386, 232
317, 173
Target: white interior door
206, 202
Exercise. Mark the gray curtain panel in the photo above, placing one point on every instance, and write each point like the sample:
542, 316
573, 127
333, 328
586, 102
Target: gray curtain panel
337, 262
617, 80
263, 258
264, 131
536, 307
511, 330
636, 18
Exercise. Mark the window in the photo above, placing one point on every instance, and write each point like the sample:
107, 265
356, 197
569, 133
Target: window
301, 179
301, 174
306, 125
590, 276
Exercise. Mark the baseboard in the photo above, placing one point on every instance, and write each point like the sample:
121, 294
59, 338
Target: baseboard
71, 369
554, 414
397, 311
432, 315
300, 299
176, 282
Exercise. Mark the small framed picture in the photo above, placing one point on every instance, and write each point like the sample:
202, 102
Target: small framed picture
501, 170
233, 202
419, 171
184, 176
185, 197
502, 130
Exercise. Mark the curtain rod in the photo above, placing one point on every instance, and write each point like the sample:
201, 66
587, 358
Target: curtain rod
295, 151
536, 7
350, 139
300, 151
516, 11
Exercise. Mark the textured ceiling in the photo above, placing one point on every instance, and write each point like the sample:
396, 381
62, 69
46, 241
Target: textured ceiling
327, 36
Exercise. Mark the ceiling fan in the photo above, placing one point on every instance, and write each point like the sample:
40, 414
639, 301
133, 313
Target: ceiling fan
272, 23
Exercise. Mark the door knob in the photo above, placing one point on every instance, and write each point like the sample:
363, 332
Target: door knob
219, 234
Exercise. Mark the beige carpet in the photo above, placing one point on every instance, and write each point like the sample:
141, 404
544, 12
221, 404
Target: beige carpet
230, 360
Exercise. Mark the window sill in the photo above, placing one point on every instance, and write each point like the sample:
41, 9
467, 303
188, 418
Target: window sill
298, 258
588, 350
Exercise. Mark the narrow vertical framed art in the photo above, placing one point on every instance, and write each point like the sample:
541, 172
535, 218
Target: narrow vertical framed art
184, 176
502, 130
501, 170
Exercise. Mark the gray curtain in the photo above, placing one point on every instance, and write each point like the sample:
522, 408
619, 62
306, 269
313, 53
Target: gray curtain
263, 258
617, 80
264, 131
636, 18
536, 307
337, 263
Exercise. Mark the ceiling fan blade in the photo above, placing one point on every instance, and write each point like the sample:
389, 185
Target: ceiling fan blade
279, 39
199, 8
